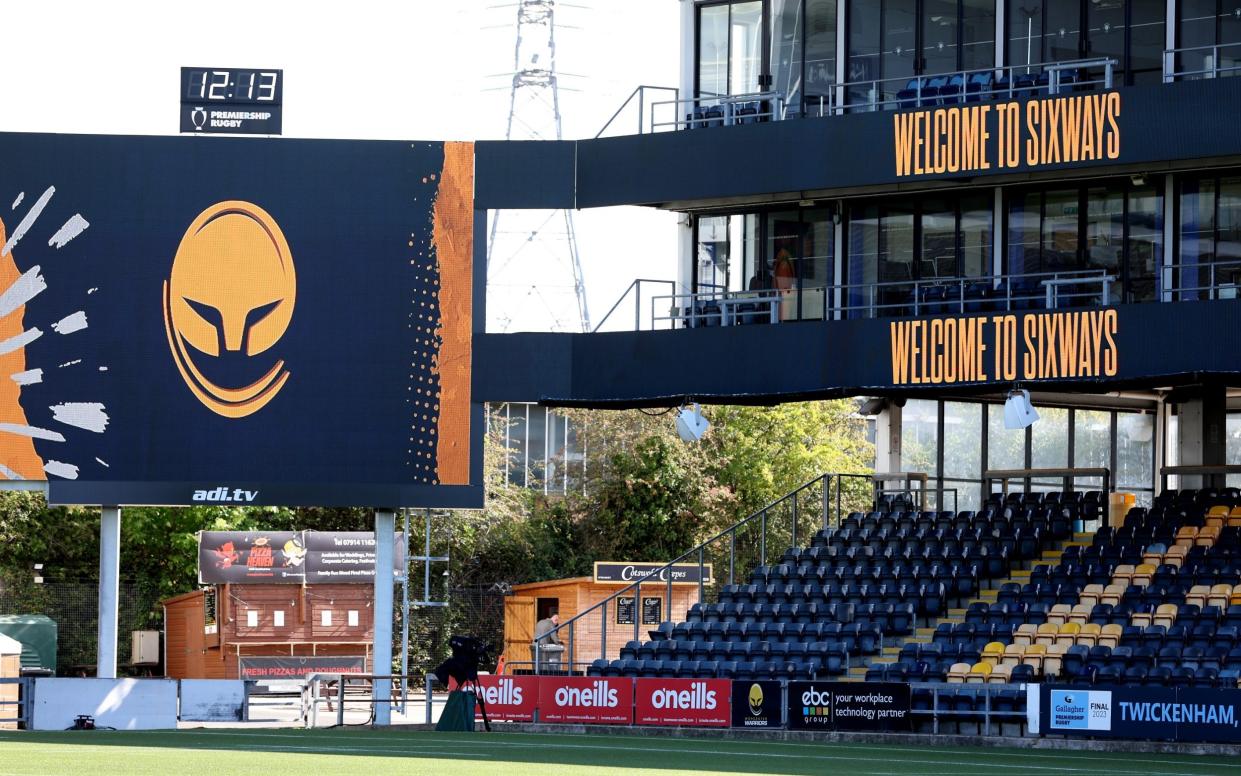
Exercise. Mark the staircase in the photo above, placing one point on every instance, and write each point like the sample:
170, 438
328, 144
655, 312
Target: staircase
924, 635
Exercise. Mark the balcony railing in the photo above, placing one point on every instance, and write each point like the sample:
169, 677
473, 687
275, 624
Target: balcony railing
1044, 290
1196, 62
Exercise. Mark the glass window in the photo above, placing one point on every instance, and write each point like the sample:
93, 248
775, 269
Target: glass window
1006, 448
820, 53
1147, 40
1024, 218
786, 50
938, 257
1092, 439
517, 444
864, 47
977, 215
714, 254
1144, 243
1232, 447
962, 440
920, 436
1062, 30
1061, 210
1049, 439
1135, 450
536, 445
1025, 32
745, 49
1105, 233
977, 34
1210, 233
898, 42
939, 36
712, 50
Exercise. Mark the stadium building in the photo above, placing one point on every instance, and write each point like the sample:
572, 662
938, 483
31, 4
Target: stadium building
940, 206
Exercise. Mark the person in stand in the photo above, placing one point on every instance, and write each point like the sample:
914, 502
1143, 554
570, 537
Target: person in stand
547, 641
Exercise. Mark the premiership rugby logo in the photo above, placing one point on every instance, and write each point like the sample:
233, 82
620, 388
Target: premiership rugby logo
228, 299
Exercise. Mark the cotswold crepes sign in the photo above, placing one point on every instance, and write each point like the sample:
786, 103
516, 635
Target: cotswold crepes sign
1005, 347
697, 702
609, 572
1007, 136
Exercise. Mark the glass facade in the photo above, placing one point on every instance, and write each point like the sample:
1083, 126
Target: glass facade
730, 48
1129, 31
1210, 30
949, 440
544, 451
1209, 244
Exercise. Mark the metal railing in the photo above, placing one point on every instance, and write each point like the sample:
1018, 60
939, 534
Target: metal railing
1052, 290
960, 86
640, 93
635, 289
744, 545
1209, 476
1067, 476
337, 690
1189, 281
1217, 61
717, 110
16, 711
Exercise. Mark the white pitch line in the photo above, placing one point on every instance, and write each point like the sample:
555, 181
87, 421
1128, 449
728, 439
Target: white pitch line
32, 215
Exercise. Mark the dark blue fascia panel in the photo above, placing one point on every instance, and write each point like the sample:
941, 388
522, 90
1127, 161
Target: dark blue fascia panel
532, 175
1158, 344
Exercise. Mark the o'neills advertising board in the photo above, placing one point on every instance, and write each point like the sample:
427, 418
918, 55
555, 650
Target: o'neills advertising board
509, 698
586, 699
697, 702
757, 704
299, 667
681, 573
848, 706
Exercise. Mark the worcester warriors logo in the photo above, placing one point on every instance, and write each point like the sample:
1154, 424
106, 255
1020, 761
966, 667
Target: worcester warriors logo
229, 299
756, 699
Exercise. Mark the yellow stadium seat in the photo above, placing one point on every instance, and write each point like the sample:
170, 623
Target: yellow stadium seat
1218, 510
1067, 633
1046, 634
1013, 654
993, 652
1025, 633
1113, 593
1054, 659
1000, 674
1235, 511
978, 673
1215, 521
1033, 657
1089, 634
1165, 615
1122, 575
1219, 596
1187, 534
1152, 558
958, 672
1059, 613
1142, 575
1175, 556
1207, 536
1198, 595
1081, 613
1091, 594
1109, 635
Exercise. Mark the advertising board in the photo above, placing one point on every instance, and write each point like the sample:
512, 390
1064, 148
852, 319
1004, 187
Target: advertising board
848, 706
586, 699
690, 702
509, 698
758, 704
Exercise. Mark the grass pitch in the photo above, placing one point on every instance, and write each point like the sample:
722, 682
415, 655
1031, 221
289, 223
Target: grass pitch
362, 752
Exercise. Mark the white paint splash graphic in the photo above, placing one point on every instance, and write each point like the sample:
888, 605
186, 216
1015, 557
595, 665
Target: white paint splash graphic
72, 228
20, 196
102, 462
34, 432
66, 470
9, 473
25, 288
87, 415
19, 341
103, 369
70, 363
29, 377
70, 323
90, 291
32, 215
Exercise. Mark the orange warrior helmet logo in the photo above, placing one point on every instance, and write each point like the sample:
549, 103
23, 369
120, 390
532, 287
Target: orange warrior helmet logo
232, 288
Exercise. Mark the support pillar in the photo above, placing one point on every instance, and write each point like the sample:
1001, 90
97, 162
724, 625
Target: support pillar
888, 438
1203, 432
381, 648
109, 591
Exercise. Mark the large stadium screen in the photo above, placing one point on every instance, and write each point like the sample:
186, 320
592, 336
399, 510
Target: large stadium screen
238, 321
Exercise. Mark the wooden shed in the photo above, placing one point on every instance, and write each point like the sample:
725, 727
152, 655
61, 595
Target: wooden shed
208, 632
534, 601
10, 668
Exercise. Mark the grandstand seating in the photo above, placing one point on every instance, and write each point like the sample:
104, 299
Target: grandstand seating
871, 580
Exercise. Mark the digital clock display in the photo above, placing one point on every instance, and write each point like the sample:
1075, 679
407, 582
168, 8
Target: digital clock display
218, 85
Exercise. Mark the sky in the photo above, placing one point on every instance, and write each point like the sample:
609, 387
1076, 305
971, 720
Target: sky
413, 70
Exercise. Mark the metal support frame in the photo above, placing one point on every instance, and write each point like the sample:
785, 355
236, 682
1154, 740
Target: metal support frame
1067, 474
109, 591
385, 530
1214, 471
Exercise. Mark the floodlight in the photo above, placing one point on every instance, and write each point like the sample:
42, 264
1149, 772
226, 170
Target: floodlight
1018, 411
691, 424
